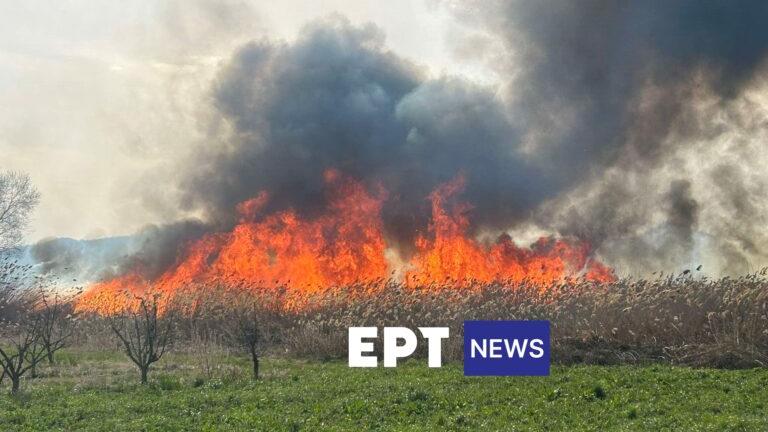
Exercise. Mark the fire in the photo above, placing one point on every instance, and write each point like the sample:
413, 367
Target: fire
343, 246
448, 254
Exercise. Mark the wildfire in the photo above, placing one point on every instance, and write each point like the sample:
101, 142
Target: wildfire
448, 254
345, 245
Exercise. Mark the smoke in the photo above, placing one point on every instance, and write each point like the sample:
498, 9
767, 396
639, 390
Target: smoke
586, 65
159, 246
682, 212
148, 252
634, 126
628, 106
71, 262
602, 130
56, 253
336, 98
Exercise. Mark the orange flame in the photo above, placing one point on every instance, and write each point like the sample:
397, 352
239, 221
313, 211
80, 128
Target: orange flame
343, 246
448, 254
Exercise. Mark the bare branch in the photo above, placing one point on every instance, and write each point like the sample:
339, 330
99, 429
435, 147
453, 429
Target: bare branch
144, 333
18, 197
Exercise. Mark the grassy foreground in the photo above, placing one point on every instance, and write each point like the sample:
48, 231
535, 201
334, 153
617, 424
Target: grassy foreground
96, 391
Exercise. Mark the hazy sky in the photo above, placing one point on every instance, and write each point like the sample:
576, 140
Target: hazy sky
95, 94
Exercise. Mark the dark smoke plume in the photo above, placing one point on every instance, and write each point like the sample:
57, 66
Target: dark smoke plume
600, 111
610, 95
337, 99
621, 123
587, 63
160, 246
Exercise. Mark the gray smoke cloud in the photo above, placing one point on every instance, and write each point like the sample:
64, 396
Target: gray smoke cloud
149, 252
159, 246
586, 64
626, 105
336, 98
72, 262
633, 126
591, 140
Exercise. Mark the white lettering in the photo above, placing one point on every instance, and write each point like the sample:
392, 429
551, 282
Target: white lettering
357, 347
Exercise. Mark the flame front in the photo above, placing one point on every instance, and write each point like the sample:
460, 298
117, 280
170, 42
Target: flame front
448, 254
344, 246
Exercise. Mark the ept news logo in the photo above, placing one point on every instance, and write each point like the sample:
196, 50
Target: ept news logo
506, 348
495, 348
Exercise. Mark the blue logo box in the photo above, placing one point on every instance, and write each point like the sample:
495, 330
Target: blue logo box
506, 348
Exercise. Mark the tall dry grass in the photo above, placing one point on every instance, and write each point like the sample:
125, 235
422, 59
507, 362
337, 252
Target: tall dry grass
681, 320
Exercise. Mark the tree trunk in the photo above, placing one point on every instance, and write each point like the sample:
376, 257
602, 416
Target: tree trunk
255, 359
15, 381
144, 375
50, 357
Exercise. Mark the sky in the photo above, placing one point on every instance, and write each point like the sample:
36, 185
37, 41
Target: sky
95, 94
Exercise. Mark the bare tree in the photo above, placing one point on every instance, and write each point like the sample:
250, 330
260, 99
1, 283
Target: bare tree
21, 352
250, 318
12, 276
20, 328
144, 333
244, 330
57, 322
55, 325
18, 197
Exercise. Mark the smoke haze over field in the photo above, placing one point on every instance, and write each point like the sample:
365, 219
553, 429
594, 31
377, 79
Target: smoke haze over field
639, 128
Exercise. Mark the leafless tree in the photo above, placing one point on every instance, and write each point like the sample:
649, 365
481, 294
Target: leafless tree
250, 318
244, 330
57, 322
21, 352
20, 328
18, 197
144, 332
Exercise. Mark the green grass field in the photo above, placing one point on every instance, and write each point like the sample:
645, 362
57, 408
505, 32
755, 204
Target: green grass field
97, 392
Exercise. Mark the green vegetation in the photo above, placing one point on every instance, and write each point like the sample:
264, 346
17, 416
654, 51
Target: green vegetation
213, 392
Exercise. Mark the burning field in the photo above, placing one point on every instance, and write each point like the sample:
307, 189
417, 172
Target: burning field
345, 246
601, 147
310, 278
384, 215
329, 161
